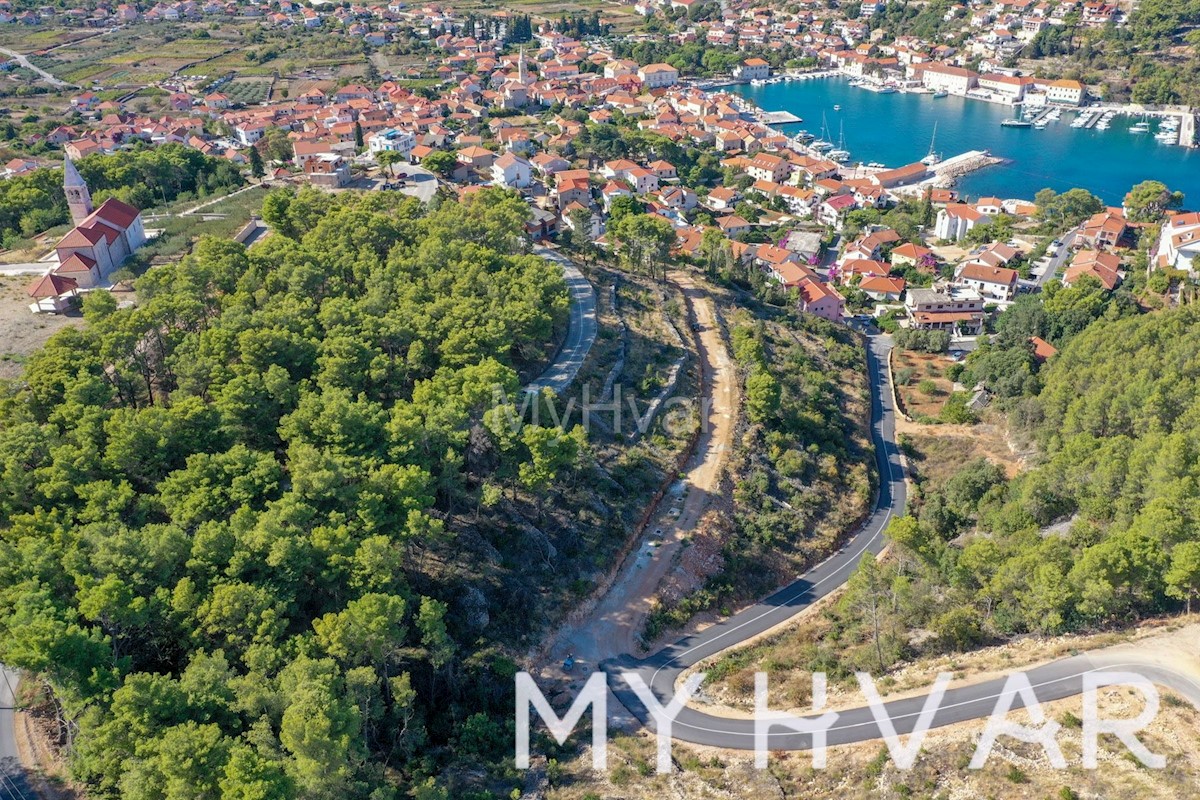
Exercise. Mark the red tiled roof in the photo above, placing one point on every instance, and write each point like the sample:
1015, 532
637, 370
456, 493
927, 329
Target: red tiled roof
1042, 350
882, 283
812, 291
986, 274
52, 286
81, 237
910, 250
115, 212
78, 262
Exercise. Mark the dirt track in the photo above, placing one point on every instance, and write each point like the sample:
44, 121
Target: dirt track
613, 626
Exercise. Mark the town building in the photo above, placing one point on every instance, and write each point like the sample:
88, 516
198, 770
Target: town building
1103, 229
658, 76
767, 167
392, 140
1179, 242
956, 219
92, 250
328, 171
1104, 267
944, 78
992, 283
821, 299
1065, 92
954, 309
511, 171
752, 69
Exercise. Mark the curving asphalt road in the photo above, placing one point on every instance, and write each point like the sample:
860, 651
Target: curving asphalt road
661, 670
581, 330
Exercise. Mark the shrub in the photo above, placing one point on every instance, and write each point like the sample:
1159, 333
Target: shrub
955, 411
923, 341
1016, 776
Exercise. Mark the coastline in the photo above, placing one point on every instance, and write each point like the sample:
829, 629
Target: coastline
867, 83
1106, 158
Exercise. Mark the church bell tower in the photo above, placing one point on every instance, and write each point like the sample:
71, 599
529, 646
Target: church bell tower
79, 199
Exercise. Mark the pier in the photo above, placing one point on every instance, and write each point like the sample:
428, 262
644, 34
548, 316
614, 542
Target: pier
957, 166
1187, 130
778, 118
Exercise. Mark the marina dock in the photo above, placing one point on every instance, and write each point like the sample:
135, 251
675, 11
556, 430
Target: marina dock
957, 166
1187, 130
778, 118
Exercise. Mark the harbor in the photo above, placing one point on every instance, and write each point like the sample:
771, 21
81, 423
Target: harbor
1105, 149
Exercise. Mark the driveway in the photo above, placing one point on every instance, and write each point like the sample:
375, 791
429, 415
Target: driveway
30, 268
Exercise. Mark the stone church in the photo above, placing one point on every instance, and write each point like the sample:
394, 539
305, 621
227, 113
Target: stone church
100, 241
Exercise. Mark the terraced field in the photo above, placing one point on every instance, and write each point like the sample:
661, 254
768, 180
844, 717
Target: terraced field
139, 54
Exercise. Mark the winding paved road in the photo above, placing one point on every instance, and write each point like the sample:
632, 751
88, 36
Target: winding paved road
661, 669
581, 329
1053, 681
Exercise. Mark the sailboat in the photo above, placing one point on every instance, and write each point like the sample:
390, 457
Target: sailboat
932, 157
841, 153
821, 145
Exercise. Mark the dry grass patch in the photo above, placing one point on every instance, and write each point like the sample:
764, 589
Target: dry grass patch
922, 382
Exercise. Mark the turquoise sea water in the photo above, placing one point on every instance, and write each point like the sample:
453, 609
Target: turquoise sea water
895, 129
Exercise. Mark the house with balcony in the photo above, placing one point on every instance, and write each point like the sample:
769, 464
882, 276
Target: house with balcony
955, 309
